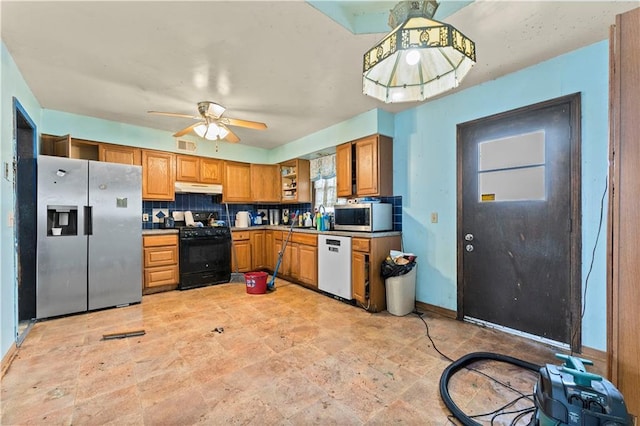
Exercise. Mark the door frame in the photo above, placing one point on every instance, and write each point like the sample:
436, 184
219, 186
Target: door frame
575, 257
19, 109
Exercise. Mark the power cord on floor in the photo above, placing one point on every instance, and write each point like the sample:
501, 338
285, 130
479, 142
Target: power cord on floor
498, 412
593, 256
419, 314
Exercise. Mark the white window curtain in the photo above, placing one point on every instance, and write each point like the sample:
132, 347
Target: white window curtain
323, 175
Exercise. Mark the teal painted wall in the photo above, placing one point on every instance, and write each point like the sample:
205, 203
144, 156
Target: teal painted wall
12, 85
364, 124
425, 170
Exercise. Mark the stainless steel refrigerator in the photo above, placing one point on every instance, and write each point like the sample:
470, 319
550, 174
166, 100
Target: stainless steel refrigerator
89, 253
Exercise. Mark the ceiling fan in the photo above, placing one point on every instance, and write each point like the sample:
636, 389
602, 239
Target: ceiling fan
212, 125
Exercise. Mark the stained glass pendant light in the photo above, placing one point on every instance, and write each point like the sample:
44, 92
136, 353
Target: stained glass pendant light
420, 58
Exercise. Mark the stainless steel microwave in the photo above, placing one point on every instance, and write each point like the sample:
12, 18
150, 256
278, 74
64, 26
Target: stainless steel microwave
367, 217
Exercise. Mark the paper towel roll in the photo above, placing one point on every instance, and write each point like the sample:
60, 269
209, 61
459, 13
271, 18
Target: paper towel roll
188, 219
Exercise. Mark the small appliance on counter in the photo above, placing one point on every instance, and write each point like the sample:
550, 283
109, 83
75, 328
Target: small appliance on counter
168, 222
243, 219
274, 216
366, 217
261, 217
196, 219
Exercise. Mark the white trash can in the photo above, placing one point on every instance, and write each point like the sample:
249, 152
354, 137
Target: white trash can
401, 293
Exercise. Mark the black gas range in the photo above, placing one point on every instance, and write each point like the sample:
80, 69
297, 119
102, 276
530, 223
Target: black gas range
205, 255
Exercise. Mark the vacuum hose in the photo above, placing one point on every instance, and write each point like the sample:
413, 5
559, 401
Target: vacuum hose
463, 363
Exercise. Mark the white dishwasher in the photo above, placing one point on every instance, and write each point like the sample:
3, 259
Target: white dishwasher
334, 265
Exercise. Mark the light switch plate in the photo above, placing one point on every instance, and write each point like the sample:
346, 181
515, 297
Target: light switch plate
434, 217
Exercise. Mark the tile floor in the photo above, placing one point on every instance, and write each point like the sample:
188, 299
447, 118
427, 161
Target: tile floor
292, 357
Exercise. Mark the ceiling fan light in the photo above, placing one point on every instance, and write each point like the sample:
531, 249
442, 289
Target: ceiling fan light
211, 131
223, 132
200, 129
216, 109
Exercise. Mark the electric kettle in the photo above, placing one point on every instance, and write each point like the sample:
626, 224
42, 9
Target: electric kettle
243, 219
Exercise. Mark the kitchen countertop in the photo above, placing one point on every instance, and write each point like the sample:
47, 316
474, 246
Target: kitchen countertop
159, 231
286, 228
315, 231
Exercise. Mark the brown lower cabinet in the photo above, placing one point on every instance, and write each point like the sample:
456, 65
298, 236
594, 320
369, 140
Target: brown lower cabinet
367, 254
241, 252
258, 252
259, 249
300, 258
160, 262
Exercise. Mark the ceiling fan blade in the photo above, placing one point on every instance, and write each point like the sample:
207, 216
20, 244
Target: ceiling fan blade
243, 123
231, 137
185, 130
174, 114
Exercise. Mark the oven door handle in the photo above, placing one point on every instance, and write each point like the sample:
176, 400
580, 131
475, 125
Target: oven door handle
207, 238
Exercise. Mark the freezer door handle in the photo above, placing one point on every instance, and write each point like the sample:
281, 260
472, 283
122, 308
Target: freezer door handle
88, 220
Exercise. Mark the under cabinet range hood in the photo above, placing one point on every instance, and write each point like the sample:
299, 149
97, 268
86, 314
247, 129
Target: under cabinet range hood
198, 188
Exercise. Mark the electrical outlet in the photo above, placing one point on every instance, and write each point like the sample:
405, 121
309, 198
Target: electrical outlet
434, 217
145, 217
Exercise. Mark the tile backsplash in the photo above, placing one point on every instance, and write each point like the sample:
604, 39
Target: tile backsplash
212, 203
206, 203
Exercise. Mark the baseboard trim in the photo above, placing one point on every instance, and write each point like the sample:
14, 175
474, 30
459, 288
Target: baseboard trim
597, 356
8, 358
444, 312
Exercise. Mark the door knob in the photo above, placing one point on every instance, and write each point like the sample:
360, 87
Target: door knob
468, 237
469, 247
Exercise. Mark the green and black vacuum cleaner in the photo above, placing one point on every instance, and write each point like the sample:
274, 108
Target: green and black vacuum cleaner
569, 395
565, 395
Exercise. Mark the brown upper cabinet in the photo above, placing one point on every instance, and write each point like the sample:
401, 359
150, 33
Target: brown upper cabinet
344, 170
120, 154
187, 168
265, 183
198, 169
66, 146
364, 167
210, 170
236, 185
288, 182
295, 181
158, 175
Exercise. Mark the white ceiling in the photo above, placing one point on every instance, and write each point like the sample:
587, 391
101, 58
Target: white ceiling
284, 63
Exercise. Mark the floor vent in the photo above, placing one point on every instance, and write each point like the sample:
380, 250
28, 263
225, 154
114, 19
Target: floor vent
186, 146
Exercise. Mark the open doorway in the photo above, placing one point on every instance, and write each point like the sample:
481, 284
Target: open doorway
25, 149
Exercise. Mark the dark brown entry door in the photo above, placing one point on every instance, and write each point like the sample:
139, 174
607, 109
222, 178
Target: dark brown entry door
516, 208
